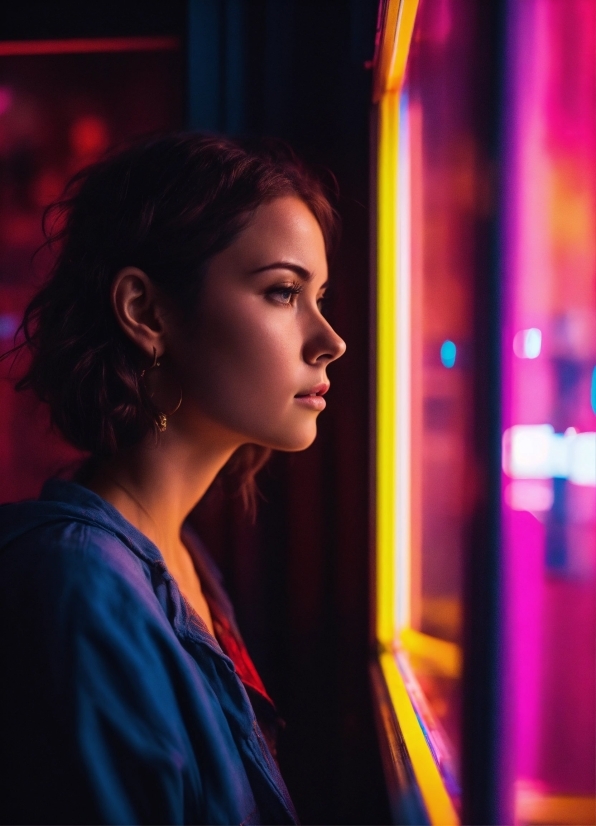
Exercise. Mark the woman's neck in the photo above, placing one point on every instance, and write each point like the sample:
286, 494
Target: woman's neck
155, 486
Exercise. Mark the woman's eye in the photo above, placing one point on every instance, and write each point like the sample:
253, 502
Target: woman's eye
285, 295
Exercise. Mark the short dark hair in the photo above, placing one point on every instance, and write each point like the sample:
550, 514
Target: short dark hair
165, 205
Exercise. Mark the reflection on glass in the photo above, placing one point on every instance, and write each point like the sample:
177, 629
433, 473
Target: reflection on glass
549, 439
441, 201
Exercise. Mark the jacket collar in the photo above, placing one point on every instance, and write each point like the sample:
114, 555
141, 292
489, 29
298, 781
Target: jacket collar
71, 499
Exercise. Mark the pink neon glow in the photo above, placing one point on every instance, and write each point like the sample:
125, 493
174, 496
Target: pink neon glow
80, 45
550, 261
5, 99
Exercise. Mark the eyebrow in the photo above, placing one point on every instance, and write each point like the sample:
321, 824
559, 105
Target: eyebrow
301, 272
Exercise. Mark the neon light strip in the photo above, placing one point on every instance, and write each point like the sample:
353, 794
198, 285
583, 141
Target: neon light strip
386, 366
405, 29
386, 48
393, 420
403, 508
79, 45
394, 46
436, 800
445, 657
437, 740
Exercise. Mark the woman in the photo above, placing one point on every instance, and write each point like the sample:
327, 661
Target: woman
180, 333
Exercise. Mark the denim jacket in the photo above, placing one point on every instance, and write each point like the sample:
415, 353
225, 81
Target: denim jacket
116, 703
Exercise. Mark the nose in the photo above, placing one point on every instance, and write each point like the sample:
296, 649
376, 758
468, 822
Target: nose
324, 345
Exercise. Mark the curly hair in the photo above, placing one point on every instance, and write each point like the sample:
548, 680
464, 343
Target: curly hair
166, 206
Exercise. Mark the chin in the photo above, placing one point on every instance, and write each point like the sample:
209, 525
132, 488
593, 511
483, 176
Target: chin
293, 443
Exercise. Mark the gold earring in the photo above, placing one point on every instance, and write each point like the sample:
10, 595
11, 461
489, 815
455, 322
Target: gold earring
162, 418
155, 364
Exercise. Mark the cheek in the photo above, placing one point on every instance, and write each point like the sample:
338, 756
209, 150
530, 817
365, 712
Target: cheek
243, 370
244, 352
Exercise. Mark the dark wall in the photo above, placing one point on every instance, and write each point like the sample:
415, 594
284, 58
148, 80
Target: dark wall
40, 20
299, 577
295, 69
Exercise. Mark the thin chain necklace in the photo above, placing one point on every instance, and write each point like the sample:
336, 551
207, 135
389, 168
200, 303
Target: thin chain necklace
190, 607
135, 500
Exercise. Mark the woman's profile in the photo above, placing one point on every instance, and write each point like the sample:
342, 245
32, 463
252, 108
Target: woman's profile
179, 333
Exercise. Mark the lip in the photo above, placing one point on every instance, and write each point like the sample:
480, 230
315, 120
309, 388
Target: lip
317, 390
314, 402
313, 398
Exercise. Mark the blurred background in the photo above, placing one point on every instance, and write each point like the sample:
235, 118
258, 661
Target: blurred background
485, 400
440, 534
76, 78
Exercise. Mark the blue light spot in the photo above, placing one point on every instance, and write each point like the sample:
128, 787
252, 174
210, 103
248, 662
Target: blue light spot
8, 325
593, 394
448, 353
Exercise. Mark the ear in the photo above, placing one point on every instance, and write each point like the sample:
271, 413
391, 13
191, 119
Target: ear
135, 304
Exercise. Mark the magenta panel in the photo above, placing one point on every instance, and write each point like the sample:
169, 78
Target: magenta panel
549, 410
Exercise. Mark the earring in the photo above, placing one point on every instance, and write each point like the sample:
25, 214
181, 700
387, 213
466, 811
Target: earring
155, 364
162, 418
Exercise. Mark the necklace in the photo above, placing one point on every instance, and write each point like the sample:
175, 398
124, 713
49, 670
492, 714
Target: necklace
207, 624
135, 500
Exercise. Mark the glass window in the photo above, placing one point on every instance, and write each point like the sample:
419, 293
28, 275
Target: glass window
440, 197
440, 331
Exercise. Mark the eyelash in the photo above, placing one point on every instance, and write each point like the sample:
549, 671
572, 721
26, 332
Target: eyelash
294, 289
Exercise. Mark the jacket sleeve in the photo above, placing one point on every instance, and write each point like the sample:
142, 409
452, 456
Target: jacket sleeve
92, 727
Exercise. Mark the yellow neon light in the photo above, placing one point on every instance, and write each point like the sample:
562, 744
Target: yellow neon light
386, 49
393, 482
444, 657
405, 28
391, 375
394, 47
386, 365
436, 800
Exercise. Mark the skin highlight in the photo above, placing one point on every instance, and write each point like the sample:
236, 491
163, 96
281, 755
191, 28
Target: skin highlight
246, 363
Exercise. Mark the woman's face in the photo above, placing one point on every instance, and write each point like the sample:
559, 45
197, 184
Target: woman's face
254, 365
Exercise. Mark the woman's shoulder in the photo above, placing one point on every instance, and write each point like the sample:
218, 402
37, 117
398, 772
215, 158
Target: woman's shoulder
94, 672
71, 515
107, 692
77, 604
55, 554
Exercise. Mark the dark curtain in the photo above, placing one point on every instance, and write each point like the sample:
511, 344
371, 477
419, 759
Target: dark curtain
299, 577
